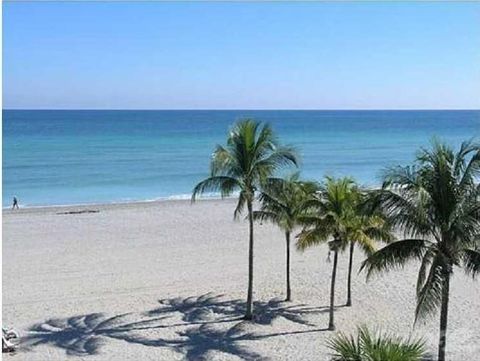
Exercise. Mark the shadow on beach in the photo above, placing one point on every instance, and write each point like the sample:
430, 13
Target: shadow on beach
197, 325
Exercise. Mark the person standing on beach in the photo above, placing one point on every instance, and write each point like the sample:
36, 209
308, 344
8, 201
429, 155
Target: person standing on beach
15, 203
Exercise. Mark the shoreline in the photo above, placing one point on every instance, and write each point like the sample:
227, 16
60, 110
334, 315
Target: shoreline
119, 204
173, 198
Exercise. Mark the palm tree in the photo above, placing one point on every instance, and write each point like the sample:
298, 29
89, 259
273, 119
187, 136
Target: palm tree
251, 155
375, 346
364, 228
436, 202
282, 203
329, 211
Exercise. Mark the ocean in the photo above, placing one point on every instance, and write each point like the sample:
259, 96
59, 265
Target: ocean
60, 157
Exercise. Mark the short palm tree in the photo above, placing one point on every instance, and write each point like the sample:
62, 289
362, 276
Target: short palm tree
329, 211
375, 346
436, 203
251, 155
282, 203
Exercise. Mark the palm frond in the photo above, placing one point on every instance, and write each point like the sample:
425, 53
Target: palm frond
366, 243
467, 170
430, 295
346, 347
383, 347
471, 260
406, 210
266, 216
226, 186
272, 202
375, 346
284, 197
394, 255
276, 159
425, 264
223, 163
311, 237
382, 233
242, 200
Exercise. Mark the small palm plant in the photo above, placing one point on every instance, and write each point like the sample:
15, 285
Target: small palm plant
251, 155
329, 209
368, 346
436, 203
282, 203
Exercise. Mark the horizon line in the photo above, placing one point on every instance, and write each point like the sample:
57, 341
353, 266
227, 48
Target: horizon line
249, 109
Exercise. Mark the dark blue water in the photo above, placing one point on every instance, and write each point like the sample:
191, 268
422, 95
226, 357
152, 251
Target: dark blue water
71, 157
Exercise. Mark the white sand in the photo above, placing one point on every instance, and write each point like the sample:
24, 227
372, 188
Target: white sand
66, 276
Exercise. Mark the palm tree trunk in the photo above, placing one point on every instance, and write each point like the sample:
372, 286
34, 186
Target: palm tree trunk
289, 291
249, 312
331, 324
349, 281
444, 317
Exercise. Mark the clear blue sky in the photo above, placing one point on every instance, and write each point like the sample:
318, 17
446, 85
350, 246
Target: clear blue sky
241, 55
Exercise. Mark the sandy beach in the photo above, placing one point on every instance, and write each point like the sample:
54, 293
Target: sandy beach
167, 280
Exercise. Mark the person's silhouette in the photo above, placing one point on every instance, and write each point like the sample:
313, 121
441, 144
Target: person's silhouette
15, 203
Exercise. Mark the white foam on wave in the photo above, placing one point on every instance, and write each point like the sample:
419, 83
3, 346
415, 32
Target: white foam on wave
174, 197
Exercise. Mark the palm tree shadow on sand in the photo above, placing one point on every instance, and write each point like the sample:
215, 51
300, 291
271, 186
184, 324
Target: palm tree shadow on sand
200, 325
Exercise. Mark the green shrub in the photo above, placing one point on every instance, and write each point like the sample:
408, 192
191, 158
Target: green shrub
368, 346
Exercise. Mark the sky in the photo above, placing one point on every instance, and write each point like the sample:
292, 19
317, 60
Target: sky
214, 55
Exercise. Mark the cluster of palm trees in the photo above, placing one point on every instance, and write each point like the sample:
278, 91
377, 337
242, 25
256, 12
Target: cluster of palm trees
434, 204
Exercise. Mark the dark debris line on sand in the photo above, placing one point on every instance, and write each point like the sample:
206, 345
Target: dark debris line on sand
81, 212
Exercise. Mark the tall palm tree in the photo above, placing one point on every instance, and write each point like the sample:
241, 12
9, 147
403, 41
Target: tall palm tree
436, 202
364, 228
364, 231
329, 211
282, 204
251, 155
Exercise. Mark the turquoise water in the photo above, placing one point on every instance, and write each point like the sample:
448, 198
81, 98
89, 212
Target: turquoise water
53, 157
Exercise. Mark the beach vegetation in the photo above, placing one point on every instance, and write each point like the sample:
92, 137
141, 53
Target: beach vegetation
282, 203
375, 346
364, 228
436, 203
328, 213
336, 215
252, 154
